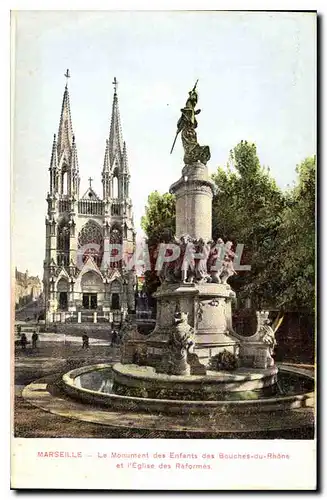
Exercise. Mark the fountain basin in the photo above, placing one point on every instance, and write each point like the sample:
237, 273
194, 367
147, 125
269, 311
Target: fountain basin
129, 378
89, 383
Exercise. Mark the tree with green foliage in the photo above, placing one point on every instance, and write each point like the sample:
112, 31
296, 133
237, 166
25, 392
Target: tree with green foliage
292, 259
298, 270
158, 223
247, 210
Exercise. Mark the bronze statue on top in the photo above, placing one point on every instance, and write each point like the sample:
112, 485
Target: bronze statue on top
187, 124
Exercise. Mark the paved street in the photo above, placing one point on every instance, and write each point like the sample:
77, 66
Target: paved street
55, 354
71, 339
55, 351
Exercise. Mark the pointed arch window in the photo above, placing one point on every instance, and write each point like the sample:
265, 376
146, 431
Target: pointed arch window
63, 243
115, 235
115, 183
64, 178
115, 187
64, 183
115, 239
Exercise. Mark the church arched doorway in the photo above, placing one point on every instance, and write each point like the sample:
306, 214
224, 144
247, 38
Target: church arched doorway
92, 290
115, 302
116, 290
62, 290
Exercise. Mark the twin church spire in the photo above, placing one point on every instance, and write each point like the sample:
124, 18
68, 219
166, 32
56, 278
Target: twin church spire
115, 153
63, 143
64, 151
79, 229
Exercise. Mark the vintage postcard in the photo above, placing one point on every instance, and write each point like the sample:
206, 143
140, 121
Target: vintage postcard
163, 250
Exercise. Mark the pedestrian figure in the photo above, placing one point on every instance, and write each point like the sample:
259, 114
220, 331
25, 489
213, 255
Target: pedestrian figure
23, 341
35, 338
85, 339
114, 338
19, 329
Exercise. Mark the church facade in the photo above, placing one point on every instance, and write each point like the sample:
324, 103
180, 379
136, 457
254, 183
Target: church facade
89, 238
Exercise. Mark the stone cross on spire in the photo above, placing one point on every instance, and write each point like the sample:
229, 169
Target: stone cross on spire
90, 181
115, 84
67, 75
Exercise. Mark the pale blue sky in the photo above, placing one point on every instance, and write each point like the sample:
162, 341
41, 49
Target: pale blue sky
257, 81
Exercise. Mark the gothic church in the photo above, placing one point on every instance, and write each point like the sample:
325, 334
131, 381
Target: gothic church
80, 284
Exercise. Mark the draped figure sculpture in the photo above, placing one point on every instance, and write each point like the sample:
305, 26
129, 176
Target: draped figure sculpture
187, 124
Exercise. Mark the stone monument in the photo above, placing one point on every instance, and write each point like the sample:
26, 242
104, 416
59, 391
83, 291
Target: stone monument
196, 282
193, 350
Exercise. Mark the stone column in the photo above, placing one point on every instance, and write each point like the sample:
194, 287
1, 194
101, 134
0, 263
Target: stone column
53, 242
131, 291
72, 242
106, 302
49, 317
124, 296
52, 303
194, 192
71, 303
106, 238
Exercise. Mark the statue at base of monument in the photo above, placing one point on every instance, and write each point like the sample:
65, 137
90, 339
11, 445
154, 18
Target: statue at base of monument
220, 261
201, 267
132, 347
187, 268
267, 335
187, 124
198, 261
181, 342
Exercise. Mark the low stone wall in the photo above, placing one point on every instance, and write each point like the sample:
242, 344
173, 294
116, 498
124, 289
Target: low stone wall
79, 328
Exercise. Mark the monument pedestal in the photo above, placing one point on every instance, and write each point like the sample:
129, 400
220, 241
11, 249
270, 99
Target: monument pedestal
194, 192
208, 306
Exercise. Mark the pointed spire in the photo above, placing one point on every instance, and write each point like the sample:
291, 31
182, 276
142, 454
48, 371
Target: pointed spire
54, 160
125, 159
65, 132
106, 161
115, 136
